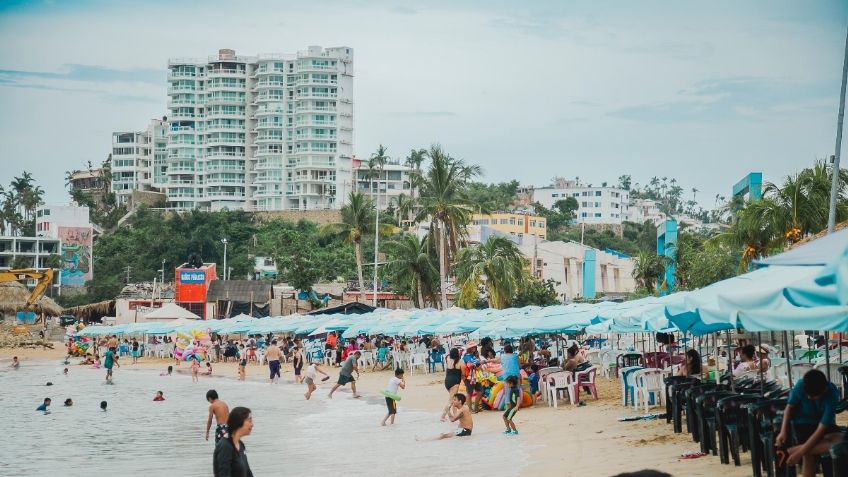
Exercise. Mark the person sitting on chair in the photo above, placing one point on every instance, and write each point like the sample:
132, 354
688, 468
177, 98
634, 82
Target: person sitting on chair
812, 410
692, 365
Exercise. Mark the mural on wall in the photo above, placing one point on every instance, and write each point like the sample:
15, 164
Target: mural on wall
76, 255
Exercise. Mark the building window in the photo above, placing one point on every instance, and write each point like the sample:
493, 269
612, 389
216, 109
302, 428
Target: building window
554, 195
520, 221
597, 193
532, 223
584, 204
504, 221
597, 214
512, 221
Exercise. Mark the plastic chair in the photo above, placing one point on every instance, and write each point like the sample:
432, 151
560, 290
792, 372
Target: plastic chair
628, 360
732, 426
705, 412
418, 360
627, 381
607, 360
330, 357
586, 379
543, 380
799, 370
562, 381
593, 356
366, 359
761, 434
649, 383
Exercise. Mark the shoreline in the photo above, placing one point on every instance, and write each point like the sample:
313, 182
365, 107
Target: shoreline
568, 440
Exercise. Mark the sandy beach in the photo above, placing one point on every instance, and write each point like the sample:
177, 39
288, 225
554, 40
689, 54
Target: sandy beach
568, 440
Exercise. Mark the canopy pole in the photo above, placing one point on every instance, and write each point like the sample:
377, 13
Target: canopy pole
839, 343
827, 352
730, 363
760, 365
717, 356
788, 362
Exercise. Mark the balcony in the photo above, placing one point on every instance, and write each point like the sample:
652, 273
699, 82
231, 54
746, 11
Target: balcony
224, 155
313, 109
318, 137
270, 111
180, 129
181, 89
212, 100
176, 103
215, 181
225, 168
270, 84
216, 195
182, 116
267, 138
312, 122
311, 95
210, 72
212, 114
212, 127
176, 170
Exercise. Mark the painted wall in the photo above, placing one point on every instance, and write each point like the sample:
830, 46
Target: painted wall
76, 255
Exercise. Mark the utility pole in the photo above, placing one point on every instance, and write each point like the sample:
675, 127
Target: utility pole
376, 236
834, 185
224, 241
127, 270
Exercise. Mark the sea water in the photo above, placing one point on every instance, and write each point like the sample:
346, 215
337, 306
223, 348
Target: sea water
291, 436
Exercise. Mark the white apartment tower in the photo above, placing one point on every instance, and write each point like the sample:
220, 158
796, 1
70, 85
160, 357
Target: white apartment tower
134, 155
267, 132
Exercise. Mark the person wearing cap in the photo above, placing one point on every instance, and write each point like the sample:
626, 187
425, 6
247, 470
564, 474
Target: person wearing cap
470, 361
765, 362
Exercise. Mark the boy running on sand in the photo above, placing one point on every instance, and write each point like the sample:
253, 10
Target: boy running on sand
512, 393
221, 411
397, 381
311, 375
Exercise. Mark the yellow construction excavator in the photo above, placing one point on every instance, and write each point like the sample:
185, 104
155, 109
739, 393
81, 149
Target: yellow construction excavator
44, 279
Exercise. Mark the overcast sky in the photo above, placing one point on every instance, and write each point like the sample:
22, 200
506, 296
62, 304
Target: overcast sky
529, 90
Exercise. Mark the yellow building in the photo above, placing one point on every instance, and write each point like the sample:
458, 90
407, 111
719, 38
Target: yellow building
513, 223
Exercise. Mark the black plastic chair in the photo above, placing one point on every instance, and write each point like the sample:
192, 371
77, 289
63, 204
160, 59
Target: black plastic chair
670, 382
705, 411
733, 426
839, 454
690, 395
761, 434
678, 403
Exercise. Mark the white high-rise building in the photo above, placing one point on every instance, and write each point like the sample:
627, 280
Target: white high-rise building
268, 132
136, 158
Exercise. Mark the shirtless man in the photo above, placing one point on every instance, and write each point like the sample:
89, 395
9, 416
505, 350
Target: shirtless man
221, 412
113, 342
273, 355
458, 412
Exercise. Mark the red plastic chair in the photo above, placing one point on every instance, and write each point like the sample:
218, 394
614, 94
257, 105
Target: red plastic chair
585, 378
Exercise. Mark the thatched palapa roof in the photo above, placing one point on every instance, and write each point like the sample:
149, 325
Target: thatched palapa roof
13, 298
93, 311
836, 228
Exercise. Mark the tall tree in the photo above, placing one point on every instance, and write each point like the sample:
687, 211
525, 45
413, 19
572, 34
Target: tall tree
649, 267
411, 268
495, 265
444, 200
357, 221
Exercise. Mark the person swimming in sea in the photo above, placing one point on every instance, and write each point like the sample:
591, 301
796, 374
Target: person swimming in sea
69, 402
160, 396
45, 406
168, 372
15, 363
103, 405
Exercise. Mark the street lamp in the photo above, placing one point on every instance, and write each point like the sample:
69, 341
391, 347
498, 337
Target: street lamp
224, 241
163, 271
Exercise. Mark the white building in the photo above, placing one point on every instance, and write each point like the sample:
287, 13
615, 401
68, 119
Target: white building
266, 132
572, 265
597, 205
70, 226
385, 185
643, 210
133, 156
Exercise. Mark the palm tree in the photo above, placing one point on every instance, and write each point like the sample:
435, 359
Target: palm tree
755, 230
414, 161
357, 217
404, 206
496, 265
649, 267
445, 201
412, 267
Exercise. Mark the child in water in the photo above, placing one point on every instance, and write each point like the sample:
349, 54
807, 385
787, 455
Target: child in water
69, 402
208, 369
103, 405
160, 396
168, 372
44, 407
195, 368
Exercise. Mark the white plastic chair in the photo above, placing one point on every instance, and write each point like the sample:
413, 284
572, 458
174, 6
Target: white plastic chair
329, 357
835, 375
418, 360
543, 380
608, 362
593, 356
799, 370
646, 382
367, 359
562, 381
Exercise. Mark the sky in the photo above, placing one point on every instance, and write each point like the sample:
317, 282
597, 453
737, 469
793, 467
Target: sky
703, 92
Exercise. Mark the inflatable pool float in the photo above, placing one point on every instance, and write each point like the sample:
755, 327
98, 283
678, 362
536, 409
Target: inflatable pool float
390, 395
